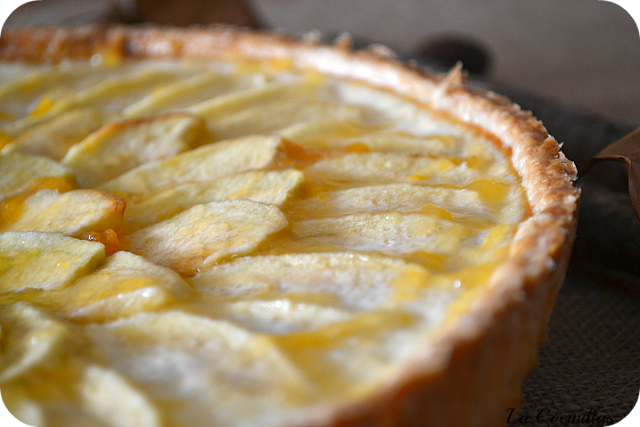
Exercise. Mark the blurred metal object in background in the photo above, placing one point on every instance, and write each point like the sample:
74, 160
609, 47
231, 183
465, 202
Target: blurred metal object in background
234, 12
174, 12
448, 50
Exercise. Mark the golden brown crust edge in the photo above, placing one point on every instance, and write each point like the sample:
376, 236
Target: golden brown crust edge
472, 370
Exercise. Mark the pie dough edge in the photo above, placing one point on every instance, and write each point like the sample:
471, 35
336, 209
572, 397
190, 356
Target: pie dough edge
471, 371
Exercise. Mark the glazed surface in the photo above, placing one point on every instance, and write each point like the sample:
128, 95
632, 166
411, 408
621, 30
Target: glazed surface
186, 235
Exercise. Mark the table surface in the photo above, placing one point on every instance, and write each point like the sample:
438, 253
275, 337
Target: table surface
577, 68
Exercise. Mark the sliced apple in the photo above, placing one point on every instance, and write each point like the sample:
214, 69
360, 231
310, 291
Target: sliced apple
282, 315
54, 138
356, 280
217, 107
369, 168
272, 188
201, 357
388, 231
44, 260
72, 213
125, 285
341, 134
191, 91
30, 338
205, 163
395, 197
116, 92
278, 115
113, 401
20, 170
121, 146
207, 233
90, 87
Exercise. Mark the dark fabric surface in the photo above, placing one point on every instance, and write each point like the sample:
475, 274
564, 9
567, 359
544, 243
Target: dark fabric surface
588, 372
592, 358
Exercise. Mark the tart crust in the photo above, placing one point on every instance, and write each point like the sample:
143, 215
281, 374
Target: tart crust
471, 373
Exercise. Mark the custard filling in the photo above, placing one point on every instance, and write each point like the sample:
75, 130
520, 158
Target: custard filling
188, 243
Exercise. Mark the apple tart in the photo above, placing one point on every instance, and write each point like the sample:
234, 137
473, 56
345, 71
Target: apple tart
226, 228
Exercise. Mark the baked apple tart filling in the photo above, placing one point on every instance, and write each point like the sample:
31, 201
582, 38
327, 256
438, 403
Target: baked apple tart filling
229, 243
